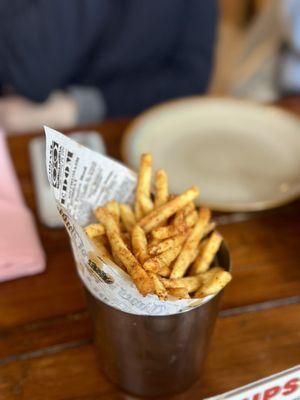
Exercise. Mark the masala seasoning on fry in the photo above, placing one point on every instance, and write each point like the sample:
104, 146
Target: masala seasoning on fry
170, 245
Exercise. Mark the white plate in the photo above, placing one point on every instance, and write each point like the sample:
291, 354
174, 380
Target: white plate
243, 156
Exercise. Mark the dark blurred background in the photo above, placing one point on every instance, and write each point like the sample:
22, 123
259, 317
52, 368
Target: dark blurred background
69, 63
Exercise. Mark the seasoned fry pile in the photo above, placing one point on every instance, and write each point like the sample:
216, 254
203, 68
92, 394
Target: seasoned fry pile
163, 242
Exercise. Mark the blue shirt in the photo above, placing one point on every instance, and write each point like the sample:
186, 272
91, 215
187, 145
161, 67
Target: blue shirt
137, 52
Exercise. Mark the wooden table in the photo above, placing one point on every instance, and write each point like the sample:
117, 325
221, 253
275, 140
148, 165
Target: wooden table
46, 349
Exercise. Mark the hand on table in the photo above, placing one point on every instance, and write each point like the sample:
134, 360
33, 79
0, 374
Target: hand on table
18, 114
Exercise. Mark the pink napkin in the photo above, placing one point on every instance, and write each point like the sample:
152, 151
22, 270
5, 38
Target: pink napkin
21, 253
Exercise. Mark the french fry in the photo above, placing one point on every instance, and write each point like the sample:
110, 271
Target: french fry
139, 244
115, 215
153, 242
206, 256
183, 213
101, 248
170, 283
216, 281
143, 282
105, 241
101, 244
162, 213
191, 244
126, 239
190, 207
159, 288
155, 264
143, 184
179, 218
209, 228
179, 292
198, 253
96, 213
138, 212
161, 188
160, 247
191, 219
164, 245
191, 283
93, 230
114, 209
208, 274
165, 232
146, 204
171, 197
127, 217
117, 260
164, 271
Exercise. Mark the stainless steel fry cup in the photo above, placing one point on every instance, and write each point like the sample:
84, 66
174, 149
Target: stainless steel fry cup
154, 355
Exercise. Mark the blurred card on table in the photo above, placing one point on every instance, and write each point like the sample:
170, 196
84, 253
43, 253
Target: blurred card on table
45, 203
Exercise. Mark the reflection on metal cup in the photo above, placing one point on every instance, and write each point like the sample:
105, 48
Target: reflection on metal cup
154, 355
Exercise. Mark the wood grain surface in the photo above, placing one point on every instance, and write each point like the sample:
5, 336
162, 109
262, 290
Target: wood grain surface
46, 349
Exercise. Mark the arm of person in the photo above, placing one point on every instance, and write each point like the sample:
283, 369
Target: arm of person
62, 109
186, 72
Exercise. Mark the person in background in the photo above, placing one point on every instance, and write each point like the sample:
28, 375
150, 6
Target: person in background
71, 62
263, 63
289, 65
